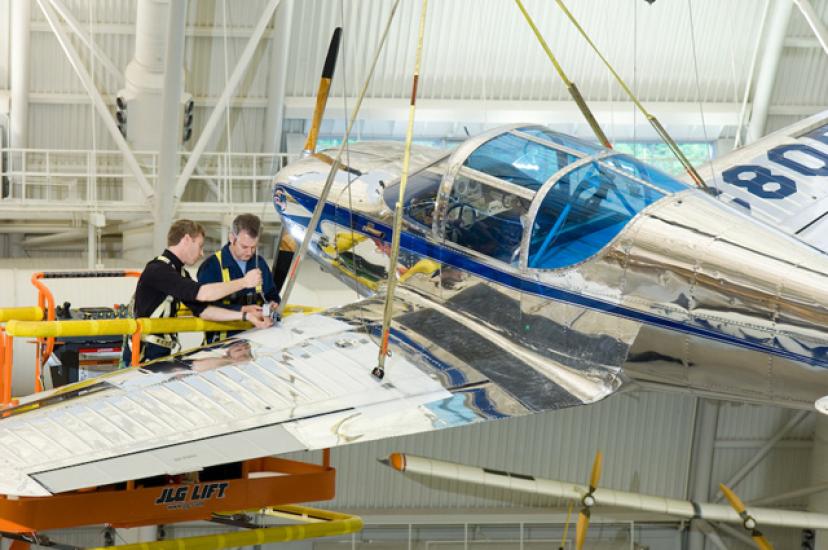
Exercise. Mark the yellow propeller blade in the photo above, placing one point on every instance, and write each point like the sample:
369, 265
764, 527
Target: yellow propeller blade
581, 528
762, 543
731, 497
596, 471
737, 504
566, 526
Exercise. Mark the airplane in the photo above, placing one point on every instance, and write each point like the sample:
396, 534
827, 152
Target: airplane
539, 272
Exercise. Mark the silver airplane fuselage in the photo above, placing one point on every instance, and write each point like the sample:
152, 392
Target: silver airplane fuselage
582, 258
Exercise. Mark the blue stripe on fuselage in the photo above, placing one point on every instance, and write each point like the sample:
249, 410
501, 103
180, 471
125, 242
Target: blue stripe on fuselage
424, 247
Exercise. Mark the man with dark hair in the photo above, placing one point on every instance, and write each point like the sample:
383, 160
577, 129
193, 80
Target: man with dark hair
164, 284
234, 261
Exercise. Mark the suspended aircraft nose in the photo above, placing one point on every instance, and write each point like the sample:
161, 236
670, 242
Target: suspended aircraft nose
748, 297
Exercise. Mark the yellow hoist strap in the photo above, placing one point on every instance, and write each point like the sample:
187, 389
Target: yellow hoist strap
225, 277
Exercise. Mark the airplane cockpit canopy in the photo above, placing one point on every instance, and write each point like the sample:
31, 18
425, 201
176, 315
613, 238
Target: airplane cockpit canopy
530, 197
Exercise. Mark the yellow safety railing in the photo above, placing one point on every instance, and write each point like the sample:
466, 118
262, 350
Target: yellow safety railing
24, 322
30, 313
320, 523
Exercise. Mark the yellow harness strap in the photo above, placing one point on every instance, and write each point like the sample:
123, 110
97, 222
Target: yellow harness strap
225, 277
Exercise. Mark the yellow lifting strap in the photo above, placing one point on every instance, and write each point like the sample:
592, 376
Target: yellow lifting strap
225, 277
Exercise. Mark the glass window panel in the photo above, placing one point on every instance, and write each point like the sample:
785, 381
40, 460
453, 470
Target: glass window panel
518, 160
486, 219
582, 213
562, 139
420, 195
638, 169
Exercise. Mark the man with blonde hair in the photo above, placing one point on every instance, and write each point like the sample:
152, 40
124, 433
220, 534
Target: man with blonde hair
165, 284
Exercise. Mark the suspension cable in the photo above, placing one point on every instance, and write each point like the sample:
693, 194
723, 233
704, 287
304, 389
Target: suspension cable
326, 189
570, 86
379, 371
662, 133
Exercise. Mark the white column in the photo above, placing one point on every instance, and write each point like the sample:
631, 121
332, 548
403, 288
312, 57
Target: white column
144, 81
21, 13
279, 50
774, 43
704, 444
91, 245
170, 124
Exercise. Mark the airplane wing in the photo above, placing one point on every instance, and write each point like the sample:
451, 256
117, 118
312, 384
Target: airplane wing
781, 179
305, 384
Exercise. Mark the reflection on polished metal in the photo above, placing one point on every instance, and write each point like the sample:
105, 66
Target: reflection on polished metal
688, 294
613, 274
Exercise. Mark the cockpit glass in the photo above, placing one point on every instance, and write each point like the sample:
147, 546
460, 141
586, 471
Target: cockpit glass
518, 160
486, 217
638, 169
583, 212
420, 195
581, 145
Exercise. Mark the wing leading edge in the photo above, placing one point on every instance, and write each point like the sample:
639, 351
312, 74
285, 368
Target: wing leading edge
303, 385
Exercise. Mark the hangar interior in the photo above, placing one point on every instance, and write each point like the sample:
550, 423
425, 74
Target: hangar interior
85, 168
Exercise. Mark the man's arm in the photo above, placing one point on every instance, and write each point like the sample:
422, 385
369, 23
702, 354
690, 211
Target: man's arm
216, 291
212, 286
214, 313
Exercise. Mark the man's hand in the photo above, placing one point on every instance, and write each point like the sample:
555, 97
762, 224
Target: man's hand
258, 320
252, 278
251, 309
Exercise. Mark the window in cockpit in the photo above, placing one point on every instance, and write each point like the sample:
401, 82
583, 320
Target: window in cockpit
487, 217
582, 213
518, 160
420, 196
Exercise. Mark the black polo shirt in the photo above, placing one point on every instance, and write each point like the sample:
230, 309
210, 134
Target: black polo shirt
161, 279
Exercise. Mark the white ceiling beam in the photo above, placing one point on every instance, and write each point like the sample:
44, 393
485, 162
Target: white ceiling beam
302, 107
814, 21
233, 82
190, 31
751, 463
97, 99
802, 42
58, 98
88, 41
71, 235
502, 111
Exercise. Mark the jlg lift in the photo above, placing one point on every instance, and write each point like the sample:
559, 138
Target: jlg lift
265, 485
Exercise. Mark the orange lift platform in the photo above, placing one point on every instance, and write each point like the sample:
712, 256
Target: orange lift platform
266, 488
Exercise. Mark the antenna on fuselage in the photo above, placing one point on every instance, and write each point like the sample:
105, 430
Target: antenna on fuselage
322, 92
662, 133
570, 86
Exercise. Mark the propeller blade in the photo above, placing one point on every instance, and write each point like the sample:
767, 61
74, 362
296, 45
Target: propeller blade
581, 528
762, 543
324, 89
566, 526
731, 497
596, 470
749, 525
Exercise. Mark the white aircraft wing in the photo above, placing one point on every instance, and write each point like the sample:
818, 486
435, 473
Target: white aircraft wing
781, 179
305, 384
